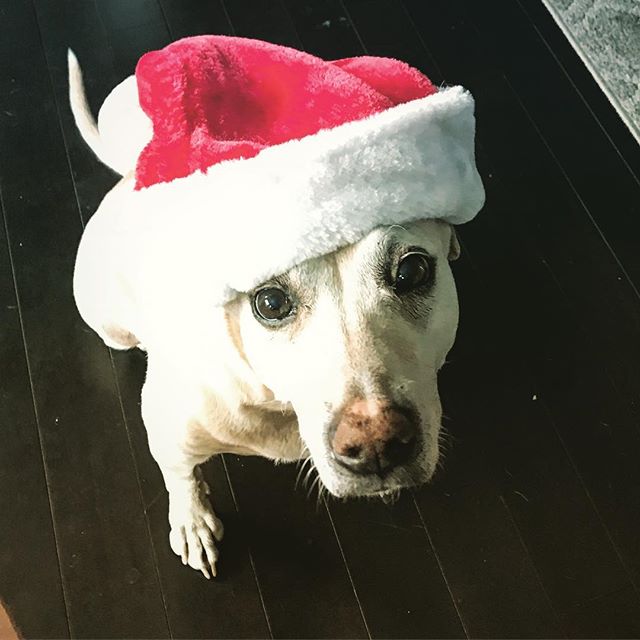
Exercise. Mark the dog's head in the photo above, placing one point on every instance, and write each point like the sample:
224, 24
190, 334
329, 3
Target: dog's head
354, 341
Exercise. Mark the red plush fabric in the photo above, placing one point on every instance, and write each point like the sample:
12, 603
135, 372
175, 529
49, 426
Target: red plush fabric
214, 98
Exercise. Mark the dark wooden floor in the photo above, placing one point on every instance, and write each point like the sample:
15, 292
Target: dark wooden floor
533, 527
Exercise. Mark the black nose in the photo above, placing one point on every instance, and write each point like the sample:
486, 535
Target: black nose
374, 439
367, 460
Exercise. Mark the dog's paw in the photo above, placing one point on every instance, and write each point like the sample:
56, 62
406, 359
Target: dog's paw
195, 529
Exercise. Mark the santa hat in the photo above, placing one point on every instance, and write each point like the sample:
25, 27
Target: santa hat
292, 157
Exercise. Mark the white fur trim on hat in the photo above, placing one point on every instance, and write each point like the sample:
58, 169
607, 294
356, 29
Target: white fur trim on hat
306, 198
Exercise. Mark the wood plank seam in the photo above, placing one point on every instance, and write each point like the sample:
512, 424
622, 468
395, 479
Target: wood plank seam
424, 525
35, 408
578, 197
230, 484
440, 565
141, 495
527, 370
577, 90
253, 566
346, 564
124, 418
223, 4
531, 376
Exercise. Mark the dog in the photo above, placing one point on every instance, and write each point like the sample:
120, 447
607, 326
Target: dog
335, 361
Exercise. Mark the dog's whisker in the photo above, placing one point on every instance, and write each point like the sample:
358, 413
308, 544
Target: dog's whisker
321, 495
445, 447
446, 437
310, 471
300, 465
444, 429
304, 453
310, 478
301, 469
303, 461
316, 480
308, 463
440, 461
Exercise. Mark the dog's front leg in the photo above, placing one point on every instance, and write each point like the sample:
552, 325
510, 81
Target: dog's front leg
195, 528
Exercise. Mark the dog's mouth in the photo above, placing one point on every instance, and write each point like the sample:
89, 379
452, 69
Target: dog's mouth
343, 484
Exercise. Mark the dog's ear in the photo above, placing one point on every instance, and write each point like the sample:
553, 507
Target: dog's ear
454, 245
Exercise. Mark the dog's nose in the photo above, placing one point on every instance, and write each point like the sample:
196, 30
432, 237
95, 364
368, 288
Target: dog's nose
374, 437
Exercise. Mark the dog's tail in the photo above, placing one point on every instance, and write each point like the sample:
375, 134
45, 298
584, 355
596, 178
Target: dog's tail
82, 113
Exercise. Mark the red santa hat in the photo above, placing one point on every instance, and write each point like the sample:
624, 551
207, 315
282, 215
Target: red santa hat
292, 157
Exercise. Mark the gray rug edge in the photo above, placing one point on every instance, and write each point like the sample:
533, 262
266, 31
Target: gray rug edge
613, 98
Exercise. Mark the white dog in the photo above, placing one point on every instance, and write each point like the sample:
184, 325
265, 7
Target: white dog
336, 359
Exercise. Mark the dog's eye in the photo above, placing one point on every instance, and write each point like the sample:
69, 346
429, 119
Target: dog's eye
413, 272
272, 304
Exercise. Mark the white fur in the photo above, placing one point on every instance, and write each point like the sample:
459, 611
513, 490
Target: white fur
124, 126
123, 129
80, 109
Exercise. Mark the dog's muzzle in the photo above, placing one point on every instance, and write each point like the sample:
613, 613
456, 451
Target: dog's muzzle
372, 437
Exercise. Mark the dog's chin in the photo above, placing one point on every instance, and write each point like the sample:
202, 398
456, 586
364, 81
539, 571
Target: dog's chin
342, 483
346, 485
